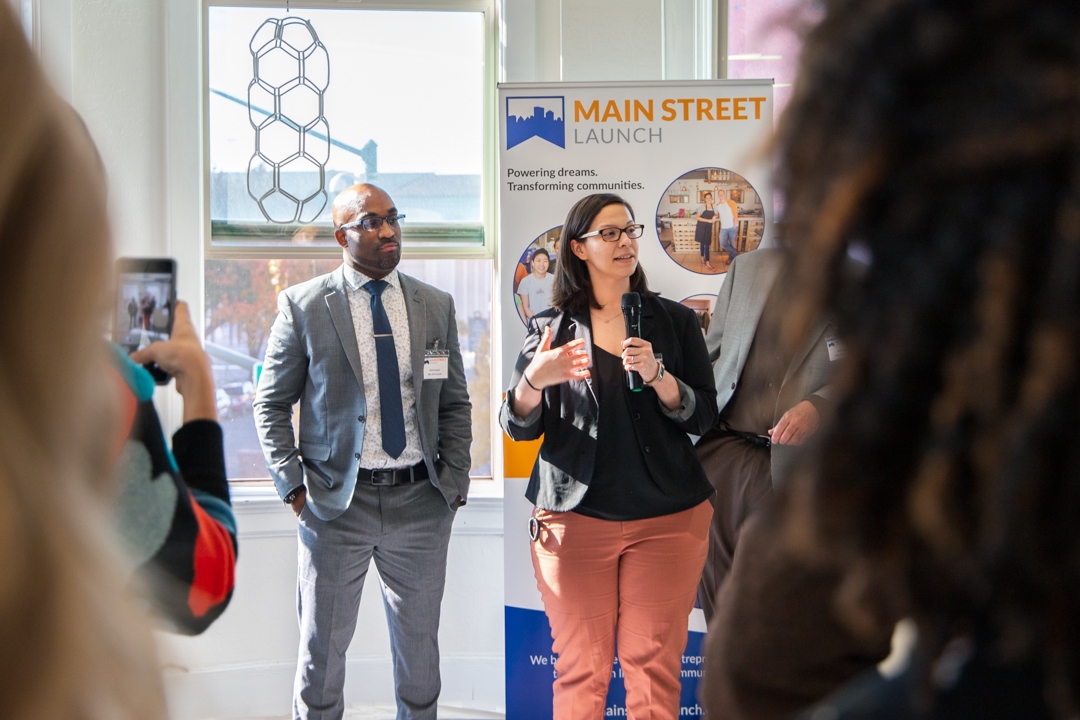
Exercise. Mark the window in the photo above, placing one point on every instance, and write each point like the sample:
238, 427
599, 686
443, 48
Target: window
241, 304
26, 12
302, 103
764, 42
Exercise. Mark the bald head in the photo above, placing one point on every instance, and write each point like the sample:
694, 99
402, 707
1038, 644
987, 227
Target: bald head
350, 203
375, 251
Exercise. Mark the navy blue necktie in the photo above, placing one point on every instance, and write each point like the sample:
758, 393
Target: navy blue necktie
393, 419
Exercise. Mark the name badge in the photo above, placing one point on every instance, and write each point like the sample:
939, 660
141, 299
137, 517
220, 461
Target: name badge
436, 365
836, 350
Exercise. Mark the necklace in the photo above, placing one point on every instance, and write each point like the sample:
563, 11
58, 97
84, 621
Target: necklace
609, 319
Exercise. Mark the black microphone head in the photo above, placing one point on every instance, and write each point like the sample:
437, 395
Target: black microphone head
631, 300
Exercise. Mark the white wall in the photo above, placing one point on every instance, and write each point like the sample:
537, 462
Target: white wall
609, 40
603, 40
243, 665
132, 69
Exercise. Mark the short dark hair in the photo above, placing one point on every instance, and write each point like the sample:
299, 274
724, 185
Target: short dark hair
572, 290
540, 251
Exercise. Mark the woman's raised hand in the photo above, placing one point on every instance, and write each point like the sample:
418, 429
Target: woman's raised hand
554, 366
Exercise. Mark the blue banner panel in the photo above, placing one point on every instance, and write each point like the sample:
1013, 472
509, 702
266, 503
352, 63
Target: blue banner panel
530, 670
530, 665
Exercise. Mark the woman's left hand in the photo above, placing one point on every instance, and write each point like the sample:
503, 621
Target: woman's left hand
183, 357
638, 355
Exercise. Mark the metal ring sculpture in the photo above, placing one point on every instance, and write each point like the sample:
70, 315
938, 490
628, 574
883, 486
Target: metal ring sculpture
287, 173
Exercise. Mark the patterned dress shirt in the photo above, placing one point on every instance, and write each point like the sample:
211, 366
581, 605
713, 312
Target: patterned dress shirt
373, 457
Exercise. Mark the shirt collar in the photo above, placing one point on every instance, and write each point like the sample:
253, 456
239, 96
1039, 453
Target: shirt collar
357, 280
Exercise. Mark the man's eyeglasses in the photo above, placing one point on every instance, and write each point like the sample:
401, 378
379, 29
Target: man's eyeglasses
371, 224
613, 234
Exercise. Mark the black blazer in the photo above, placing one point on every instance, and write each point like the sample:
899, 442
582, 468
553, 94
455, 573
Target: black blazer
569, 413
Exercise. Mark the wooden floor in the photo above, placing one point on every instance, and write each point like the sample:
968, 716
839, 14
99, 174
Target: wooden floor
692, 261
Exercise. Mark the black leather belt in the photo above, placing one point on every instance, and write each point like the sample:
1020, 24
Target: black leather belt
391, 477
763, 441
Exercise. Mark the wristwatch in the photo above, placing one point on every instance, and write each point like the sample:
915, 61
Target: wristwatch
293, 494
659, 373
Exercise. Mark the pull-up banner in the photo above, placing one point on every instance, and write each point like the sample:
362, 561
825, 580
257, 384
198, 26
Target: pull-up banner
689, 158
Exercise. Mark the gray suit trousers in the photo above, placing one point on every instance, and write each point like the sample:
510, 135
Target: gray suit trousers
406, 529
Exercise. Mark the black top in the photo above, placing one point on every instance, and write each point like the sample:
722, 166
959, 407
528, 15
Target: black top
703, 230
622, 488
569, 413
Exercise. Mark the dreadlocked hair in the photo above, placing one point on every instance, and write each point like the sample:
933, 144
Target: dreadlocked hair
941, 138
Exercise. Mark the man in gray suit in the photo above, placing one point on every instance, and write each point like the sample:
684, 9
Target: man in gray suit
382, 461
770, 400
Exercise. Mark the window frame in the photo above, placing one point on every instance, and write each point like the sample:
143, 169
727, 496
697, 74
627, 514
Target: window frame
487, 250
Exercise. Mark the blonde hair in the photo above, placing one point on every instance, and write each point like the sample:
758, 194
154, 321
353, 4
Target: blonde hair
73, 644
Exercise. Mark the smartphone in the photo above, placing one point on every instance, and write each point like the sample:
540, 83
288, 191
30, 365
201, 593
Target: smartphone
145, 300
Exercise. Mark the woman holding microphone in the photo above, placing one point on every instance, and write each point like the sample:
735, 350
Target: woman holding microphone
620, 530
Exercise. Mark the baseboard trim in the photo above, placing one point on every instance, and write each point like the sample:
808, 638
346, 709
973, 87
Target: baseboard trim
265, 690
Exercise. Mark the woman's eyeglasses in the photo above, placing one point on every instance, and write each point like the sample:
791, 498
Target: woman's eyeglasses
613, 234
371, 224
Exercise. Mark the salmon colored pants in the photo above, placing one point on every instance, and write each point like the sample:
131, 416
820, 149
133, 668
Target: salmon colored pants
634, 581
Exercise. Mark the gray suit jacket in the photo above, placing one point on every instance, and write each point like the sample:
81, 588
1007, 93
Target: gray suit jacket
731, 331
312, 357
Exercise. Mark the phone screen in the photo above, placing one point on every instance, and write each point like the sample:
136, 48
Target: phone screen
145, 300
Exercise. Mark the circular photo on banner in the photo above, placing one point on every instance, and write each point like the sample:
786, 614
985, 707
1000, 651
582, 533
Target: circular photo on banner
534, 275
702, 305
707, 217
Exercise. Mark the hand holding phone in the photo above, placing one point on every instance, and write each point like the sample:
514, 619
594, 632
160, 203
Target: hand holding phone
146, 300
183, 357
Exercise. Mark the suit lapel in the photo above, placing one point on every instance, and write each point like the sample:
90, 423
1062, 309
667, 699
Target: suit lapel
556, 325
416, 311
581, 391
754, 304
577, 328
812, 338
648, 319
337, 301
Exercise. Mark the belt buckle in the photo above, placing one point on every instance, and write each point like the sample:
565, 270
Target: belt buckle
382, 477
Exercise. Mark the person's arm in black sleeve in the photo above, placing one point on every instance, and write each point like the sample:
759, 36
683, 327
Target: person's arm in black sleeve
199, 449
697, 411
176, 505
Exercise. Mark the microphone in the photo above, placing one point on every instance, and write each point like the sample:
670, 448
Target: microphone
631, 309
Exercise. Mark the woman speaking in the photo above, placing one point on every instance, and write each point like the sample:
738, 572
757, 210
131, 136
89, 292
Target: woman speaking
620, 530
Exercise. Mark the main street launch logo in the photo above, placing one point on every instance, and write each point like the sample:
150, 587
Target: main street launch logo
528, 117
